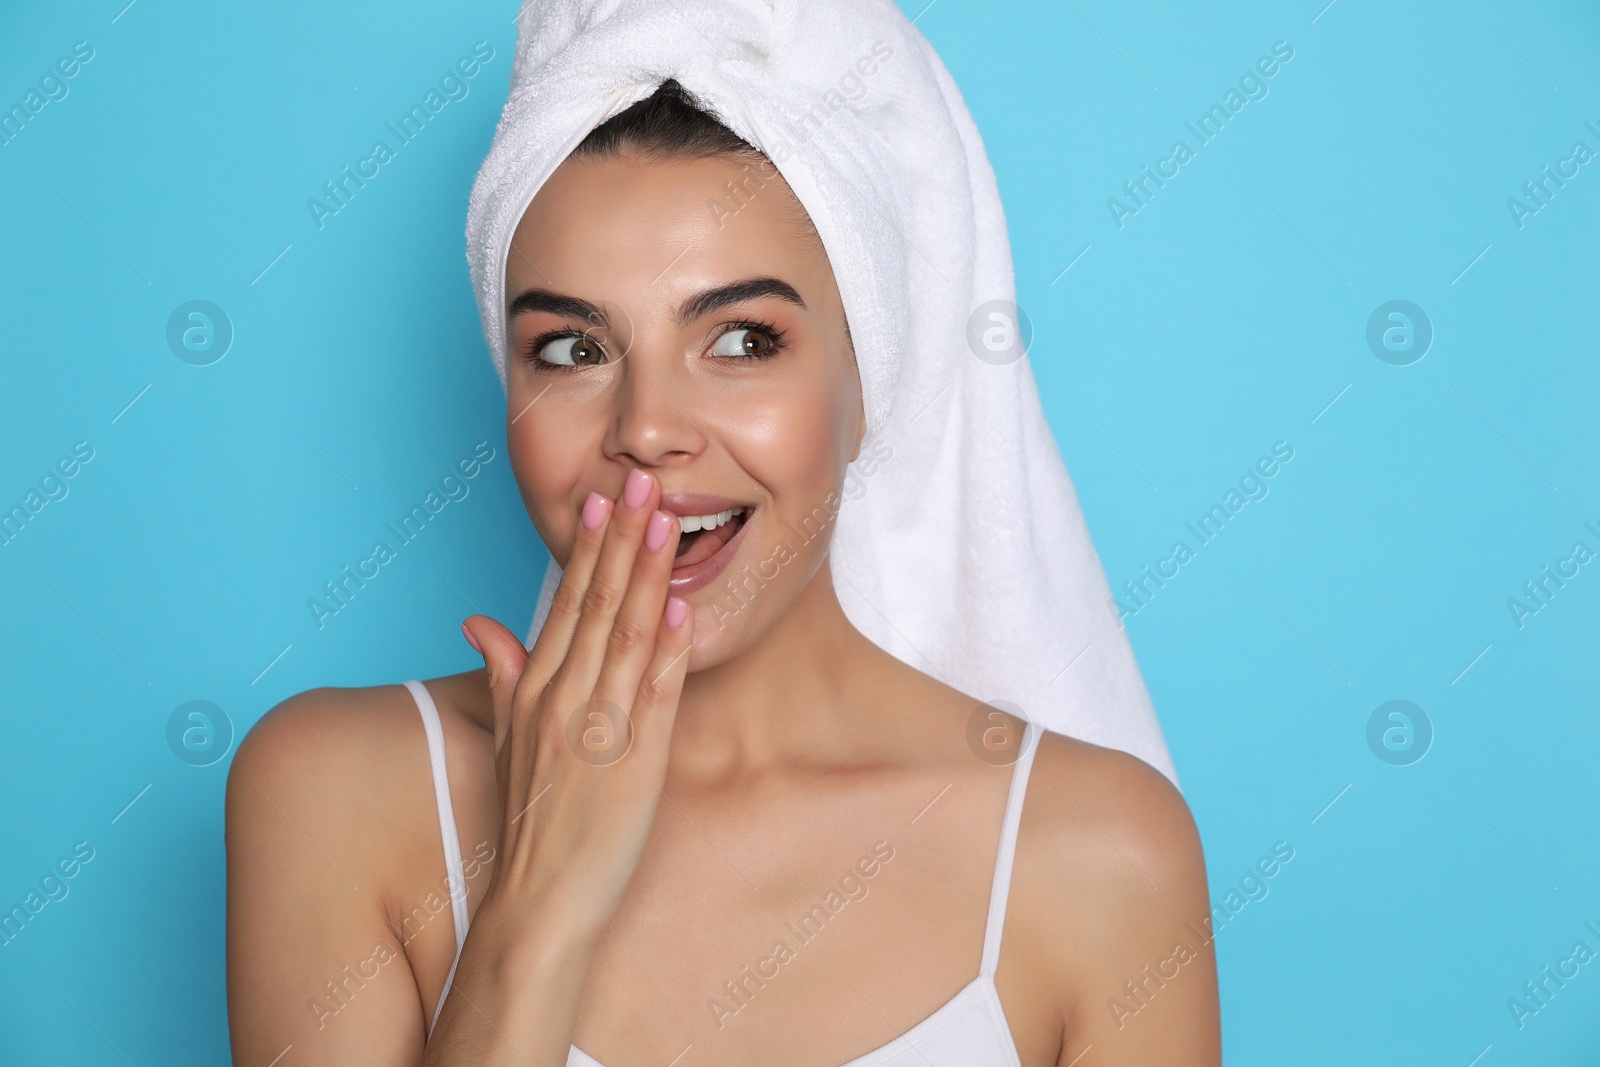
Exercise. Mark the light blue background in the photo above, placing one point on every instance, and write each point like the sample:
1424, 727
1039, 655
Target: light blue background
1227, 314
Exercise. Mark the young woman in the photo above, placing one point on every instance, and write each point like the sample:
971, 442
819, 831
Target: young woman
698, 823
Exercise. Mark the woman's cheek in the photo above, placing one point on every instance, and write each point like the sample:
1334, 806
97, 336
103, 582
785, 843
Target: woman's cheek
791, 443
548, 465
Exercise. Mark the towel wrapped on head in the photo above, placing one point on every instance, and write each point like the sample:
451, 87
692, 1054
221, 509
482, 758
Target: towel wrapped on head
959, 545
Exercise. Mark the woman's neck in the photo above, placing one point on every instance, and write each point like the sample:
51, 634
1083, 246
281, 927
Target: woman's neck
797, 694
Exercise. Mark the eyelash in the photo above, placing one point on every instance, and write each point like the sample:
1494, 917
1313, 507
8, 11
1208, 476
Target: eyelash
532, 349
774, 334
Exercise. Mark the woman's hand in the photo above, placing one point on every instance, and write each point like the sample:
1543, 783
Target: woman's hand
582, 722
582, 726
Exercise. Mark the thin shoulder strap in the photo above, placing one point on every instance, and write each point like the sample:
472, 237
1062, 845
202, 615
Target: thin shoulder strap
455, 874
1008, 850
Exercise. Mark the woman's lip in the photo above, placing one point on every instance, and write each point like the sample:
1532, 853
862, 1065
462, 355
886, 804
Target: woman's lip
686, 580
686, 504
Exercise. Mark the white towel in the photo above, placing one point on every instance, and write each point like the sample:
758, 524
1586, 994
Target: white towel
964, 553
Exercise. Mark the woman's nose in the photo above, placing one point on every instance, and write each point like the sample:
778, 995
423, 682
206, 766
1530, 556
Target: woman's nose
651, 423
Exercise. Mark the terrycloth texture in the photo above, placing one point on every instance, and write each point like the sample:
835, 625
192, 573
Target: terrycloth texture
964, 552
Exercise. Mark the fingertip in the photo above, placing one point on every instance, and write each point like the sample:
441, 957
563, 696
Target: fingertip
658, 529
677, 611
636, 490
595, 511
491, 640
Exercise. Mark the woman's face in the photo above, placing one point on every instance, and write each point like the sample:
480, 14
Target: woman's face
683, 318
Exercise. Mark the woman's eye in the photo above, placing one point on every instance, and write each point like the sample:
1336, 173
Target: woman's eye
573, 352
744, 341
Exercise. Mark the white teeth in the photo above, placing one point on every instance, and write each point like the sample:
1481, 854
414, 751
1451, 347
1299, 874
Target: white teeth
691, 523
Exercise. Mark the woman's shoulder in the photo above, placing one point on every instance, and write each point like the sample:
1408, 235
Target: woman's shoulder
1080, 790
334, 844
1097, 821
328, 765
337, 737
347, 728
1109, 879
349, 763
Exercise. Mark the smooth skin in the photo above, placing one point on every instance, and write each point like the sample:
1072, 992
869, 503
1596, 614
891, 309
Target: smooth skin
772, 746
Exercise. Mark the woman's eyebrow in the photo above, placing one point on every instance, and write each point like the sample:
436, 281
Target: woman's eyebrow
702, 303
722, 296
571, 307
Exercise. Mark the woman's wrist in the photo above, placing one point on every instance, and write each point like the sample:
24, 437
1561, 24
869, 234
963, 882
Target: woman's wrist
521, 974
516, 954
527, 933
522, 965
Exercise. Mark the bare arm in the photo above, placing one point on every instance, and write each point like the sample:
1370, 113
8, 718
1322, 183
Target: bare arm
308, 861
1120, 889
312, 964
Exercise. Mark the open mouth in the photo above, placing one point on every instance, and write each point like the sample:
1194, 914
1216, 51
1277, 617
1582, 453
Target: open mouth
705, 535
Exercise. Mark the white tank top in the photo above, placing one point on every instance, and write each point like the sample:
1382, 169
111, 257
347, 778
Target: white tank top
968, 1030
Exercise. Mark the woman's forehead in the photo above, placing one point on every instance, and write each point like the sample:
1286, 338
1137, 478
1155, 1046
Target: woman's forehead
639, 226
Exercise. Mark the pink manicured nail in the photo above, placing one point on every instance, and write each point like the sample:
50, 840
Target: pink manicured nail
655, 533
637, 489
594, 511
677, 611
468, 635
